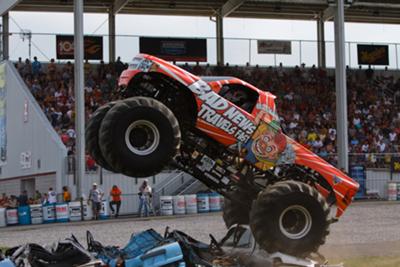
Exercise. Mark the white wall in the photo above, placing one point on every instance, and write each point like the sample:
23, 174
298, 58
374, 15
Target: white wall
28, 130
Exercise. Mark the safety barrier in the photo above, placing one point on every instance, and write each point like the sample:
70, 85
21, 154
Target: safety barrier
51, 213
191, 204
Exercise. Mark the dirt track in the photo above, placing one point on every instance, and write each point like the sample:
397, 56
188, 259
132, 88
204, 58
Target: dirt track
366, 229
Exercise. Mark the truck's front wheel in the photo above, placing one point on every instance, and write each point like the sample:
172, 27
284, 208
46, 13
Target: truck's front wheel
290, 217
139, 136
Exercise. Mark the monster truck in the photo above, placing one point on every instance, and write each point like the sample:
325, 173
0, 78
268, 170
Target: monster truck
225, 133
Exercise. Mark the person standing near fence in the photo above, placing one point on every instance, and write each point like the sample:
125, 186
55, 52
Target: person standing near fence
51, 196
115, 194
95, 196
66, 194
145, 194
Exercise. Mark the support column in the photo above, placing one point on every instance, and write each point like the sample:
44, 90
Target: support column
341, 88
79, 96
6, 34
321, 43
111, 37
220, 40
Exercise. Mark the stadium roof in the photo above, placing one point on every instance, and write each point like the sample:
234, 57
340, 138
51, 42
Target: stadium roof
357, 11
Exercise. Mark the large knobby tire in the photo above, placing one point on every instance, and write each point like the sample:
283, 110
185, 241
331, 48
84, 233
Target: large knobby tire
139, 136
92, 135
290, 217
236, 208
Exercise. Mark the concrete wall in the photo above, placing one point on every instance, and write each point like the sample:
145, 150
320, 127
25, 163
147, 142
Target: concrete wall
29, 132
128, 185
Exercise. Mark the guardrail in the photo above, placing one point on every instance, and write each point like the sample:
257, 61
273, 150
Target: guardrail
368, 160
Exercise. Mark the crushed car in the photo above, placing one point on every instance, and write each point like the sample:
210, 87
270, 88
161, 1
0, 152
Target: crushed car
150, 249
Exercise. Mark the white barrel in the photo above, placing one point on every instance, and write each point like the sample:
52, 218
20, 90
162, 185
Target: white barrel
87, 211
392, 191
179, 205
36, 213
215, 202
49, 213
62, 212
398, 191
191, 204
166, 206
75, 211
3, 221
12, 216
104, 212
203, 204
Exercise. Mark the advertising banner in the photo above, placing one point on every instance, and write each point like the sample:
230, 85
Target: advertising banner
93, 46
3, 129
175, 49
274, 47
373, 54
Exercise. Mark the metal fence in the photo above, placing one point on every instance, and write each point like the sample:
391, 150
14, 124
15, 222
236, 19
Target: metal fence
238, 51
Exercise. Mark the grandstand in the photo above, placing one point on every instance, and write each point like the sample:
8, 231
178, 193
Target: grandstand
305, 97
306, 94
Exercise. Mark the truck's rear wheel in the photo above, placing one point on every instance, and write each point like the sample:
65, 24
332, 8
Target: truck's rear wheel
290, 217
139, 136
236, 208
92, 135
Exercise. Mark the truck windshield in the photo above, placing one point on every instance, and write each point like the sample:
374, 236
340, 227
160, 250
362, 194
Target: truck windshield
135, 63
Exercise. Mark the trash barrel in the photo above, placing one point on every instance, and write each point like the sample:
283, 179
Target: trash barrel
24, 215
75, 211
166, 206
215, 201
12, 216
203, 203
392, 191
87, 211
62, 212
179, 205
104, 211
36, 214
191, 204
49, 213
3, 221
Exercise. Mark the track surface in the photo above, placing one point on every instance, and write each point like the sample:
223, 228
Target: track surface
366, 229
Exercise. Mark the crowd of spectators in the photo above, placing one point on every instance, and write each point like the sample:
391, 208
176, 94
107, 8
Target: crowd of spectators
23, 199
305, 102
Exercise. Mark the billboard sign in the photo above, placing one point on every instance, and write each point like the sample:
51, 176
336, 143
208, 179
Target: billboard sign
93, 46
175, 49
373, 54
274, 47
